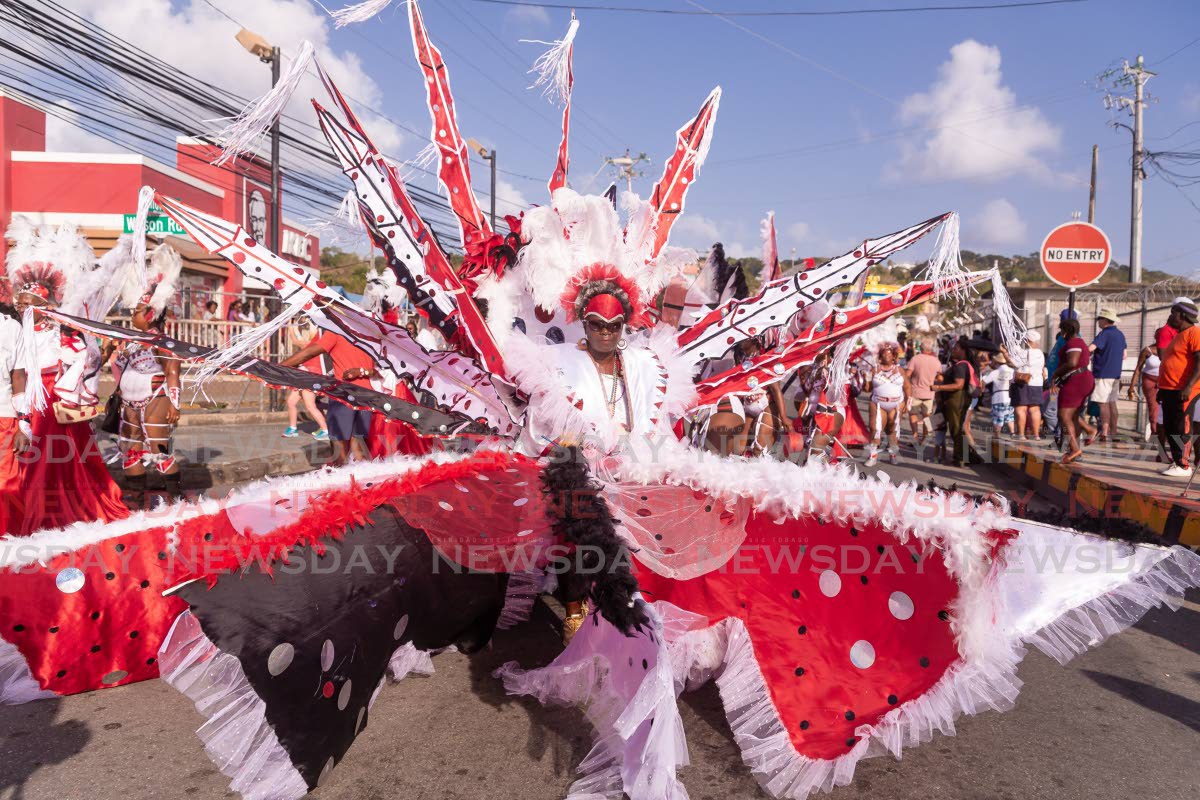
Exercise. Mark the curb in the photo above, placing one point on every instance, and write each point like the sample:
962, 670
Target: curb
1173, 522
231, 418
209, 474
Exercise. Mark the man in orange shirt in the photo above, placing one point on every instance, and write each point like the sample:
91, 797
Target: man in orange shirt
348, 427
1179, 382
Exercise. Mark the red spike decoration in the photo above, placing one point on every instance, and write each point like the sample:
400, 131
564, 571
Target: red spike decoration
453, 170
691, 148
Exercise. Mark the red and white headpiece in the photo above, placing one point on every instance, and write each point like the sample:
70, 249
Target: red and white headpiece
601, 291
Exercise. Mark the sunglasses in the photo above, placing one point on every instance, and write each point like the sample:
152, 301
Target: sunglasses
596, 326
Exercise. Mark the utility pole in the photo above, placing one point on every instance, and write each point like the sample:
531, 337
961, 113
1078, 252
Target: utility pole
626, 166
276, 200
1134, 76
489, 157
1092, 191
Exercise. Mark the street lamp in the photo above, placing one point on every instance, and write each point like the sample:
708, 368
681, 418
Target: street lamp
491, 159
262, 49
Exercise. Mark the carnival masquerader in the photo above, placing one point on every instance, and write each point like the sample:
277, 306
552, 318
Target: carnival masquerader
150, 387
13, 435
889, 396
817, 669
747, 424
63, 478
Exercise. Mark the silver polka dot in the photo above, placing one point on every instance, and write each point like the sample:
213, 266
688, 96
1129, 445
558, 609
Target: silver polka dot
326, 655
325, 772
401, 626
387, 406
70, 580
280, 658
830, 583
862, 654
445, 506
344, 694
521, 501
362, 713
901, 605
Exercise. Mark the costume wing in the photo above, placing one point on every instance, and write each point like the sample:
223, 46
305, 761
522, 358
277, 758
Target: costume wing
457, 381
777, 302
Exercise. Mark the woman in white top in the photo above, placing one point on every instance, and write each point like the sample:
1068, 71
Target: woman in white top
999, 376
1145, 374
889, 397
1029, 368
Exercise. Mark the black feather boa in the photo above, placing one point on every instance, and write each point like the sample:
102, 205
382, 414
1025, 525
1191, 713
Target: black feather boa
581, 517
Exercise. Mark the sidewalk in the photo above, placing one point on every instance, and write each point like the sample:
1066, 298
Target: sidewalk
1117, 480
229, 449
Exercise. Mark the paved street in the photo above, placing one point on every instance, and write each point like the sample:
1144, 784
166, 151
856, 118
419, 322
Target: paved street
1122, 721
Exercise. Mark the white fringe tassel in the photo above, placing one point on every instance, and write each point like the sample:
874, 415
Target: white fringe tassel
423, 160
34, 390
244, 346
348, 211
839, 369
145, 200
1012, 329
945, 267
553, 67
359, 12
239, 136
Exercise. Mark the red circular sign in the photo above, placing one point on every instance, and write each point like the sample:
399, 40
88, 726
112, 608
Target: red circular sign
1075, 254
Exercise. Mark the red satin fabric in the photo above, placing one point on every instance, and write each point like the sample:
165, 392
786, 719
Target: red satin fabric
388, 437
854, 429
802, 638
63, 478
12, 507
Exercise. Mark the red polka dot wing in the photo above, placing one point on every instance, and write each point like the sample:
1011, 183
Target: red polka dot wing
846, 623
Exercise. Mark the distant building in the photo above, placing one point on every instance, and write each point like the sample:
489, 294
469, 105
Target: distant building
98, 193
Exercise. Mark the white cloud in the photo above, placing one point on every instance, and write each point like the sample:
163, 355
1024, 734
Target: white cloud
695, 231
527, 14
795, 234
998, 224
64, 134
509, 199
980, 133
197, 39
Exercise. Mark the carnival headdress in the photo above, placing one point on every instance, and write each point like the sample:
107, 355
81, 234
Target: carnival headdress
42, 260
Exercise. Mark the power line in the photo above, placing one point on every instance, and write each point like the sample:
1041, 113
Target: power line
1174, 53
824, 13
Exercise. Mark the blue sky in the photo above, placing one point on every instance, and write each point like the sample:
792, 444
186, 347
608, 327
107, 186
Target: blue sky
842, 93
846, 126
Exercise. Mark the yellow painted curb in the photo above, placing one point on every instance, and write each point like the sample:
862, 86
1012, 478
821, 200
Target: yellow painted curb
1189, 534
1091, 493
1058, 476
1145, 511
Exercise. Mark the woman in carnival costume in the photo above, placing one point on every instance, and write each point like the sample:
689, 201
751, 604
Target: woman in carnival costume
63, 478
149, 383
819, 665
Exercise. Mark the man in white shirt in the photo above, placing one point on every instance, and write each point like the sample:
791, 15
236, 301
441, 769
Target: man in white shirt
431, 339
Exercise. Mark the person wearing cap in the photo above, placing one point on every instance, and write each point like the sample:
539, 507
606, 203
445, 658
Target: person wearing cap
1029, 374
1108, 357
1178, 383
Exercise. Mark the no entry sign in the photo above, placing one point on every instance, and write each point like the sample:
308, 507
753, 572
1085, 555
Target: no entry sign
1075, 254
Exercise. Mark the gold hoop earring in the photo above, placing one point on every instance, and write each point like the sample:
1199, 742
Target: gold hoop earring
582, 345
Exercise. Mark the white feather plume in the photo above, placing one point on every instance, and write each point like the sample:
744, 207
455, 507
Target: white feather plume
239, 136
553, 67
359, 12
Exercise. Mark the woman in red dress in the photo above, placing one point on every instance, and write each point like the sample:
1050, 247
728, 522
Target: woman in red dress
1073, 382
61, 474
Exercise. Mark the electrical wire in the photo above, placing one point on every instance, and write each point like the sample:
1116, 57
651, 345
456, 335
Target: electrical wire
842, 12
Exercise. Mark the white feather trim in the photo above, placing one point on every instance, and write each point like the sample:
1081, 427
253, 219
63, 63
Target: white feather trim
42, 546
144, 202
166, 265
